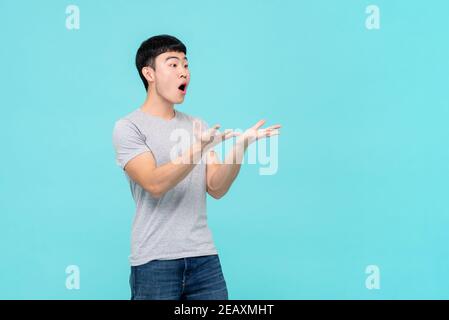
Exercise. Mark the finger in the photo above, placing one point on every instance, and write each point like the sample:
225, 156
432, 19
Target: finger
267, 132
216, 138
271, 129
228, 134
276, 126
232, 134
263, 131
258, 124
212, 131
215, 127
225, 133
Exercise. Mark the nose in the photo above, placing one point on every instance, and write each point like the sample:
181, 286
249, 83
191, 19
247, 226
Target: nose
184, 72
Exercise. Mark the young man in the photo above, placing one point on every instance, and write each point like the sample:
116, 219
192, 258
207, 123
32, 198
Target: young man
173, 255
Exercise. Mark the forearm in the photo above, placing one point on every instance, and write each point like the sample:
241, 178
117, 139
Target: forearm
228, 171
168, 175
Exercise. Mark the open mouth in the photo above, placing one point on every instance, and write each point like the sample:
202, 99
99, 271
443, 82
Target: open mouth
182, 87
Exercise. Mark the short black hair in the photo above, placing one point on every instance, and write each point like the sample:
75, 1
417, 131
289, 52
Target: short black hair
154, 46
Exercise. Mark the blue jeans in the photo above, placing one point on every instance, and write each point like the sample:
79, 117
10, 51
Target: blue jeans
192, 278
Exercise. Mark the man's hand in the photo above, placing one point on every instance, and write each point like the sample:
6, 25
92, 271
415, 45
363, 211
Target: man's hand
221, 176
254, 133
211, 137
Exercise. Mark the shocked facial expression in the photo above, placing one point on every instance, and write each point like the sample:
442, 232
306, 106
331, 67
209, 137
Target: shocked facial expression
171, 77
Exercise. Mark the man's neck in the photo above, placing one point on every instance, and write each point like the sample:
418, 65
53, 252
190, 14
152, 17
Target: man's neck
159, 107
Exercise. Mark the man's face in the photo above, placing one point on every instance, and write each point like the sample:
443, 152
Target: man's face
171, 72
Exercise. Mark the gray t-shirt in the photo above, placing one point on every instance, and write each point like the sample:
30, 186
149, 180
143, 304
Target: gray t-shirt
175, 225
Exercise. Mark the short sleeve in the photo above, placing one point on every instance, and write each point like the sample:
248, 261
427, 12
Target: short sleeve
128, 142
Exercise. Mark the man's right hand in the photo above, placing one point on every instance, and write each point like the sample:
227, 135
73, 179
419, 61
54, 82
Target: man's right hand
211, 137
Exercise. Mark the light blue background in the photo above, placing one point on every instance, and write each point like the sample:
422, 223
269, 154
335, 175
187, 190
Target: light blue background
363, 156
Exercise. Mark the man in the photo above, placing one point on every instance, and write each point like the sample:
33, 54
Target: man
173, 255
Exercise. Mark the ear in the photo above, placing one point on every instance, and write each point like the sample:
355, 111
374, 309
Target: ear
148, 73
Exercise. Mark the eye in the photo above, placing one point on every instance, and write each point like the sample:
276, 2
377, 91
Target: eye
187, 65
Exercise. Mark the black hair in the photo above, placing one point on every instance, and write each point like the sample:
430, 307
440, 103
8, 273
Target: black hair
154, 46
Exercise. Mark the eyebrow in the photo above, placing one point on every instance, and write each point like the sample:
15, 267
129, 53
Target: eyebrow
175, 58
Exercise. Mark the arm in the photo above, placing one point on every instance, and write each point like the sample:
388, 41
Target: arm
220, 176
158, 180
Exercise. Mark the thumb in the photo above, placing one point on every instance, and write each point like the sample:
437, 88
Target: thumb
258, 124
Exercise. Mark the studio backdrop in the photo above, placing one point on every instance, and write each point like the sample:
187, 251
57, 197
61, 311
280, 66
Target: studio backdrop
351, 201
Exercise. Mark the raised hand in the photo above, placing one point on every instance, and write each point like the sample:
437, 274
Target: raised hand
254, 133
211, 137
